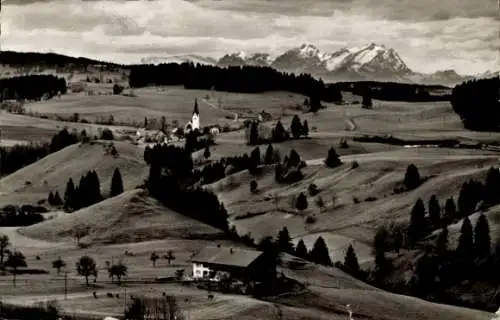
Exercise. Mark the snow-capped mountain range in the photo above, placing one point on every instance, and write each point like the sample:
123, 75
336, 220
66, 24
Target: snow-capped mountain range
371, 62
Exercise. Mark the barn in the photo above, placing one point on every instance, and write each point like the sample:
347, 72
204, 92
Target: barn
243, 264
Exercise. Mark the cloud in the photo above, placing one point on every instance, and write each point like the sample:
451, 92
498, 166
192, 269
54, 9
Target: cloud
127, 31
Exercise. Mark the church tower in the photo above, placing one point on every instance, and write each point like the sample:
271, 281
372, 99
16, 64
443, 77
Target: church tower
195, 119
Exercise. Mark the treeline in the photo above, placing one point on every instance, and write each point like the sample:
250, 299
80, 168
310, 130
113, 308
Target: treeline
245, 79
14, 216
171, 181
19, 156
32, 87
22, 59
477, 102
392, 91
389, 139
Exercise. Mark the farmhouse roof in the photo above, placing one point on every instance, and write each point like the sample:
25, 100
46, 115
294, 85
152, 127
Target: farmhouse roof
226, 256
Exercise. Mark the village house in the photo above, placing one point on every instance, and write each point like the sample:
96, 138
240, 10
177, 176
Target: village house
243, 264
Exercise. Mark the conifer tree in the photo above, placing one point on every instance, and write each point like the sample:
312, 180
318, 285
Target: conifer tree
301, 250
57, 199
305, 129
351, 264
206, 153
418, 224
332, 160
296, 127
435, 212
51, 198
465, 241
116, 183
319, 253
412, 177
450, 211
279, 133
442, 242
482, 239
69, 195
301, 203
96, 187
293, 159
253, 137
268, 158
278, 172
367, 98
255, 160
285, 241
491, 195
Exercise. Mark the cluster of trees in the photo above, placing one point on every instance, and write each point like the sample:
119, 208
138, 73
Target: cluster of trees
319, 253
391, 91
19, 156
473, 196
87, 267
31, 87
87, 193
171, 181
11, 216
255, 134
473, 257
477, 102
217, 170
288, 170
232, 79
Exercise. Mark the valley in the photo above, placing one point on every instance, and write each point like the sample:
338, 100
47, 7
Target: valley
361, 194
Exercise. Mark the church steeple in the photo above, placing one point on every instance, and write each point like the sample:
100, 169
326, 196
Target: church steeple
195, 111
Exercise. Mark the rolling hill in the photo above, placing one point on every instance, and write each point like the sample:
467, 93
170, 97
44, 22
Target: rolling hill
128, 218
34, 182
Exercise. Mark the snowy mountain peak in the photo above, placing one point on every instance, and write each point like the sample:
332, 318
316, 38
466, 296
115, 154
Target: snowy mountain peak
375, 57
308, 50
372, 61
242, 58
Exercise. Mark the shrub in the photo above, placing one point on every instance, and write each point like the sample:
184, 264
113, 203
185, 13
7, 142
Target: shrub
107, 134
117, 89
343, 144
354, 165
313, 190
253, 186
310, 220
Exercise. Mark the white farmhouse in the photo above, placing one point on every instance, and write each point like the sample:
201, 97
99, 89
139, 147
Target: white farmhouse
209, 262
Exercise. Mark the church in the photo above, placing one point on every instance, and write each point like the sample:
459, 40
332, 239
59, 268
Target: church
194, 124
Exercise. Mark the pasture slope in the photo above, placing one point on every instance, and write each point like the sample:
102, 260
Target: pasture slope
357, 200
127, 218
175, 103
131, 226
51, 173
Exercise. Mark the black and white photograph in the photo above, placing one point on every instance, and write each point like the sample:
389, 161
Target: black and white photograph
249, 160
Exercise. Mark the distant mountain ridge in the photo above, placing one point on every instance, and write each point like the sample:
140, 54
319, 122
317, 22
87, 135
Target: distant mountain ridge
372, 62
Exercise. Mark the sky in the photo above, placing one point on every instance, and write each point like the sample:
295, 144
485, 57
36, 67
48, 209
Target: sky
429, 35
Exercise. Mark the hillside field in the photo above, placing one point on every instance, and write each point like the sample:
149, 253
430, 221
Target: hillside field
129, 227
